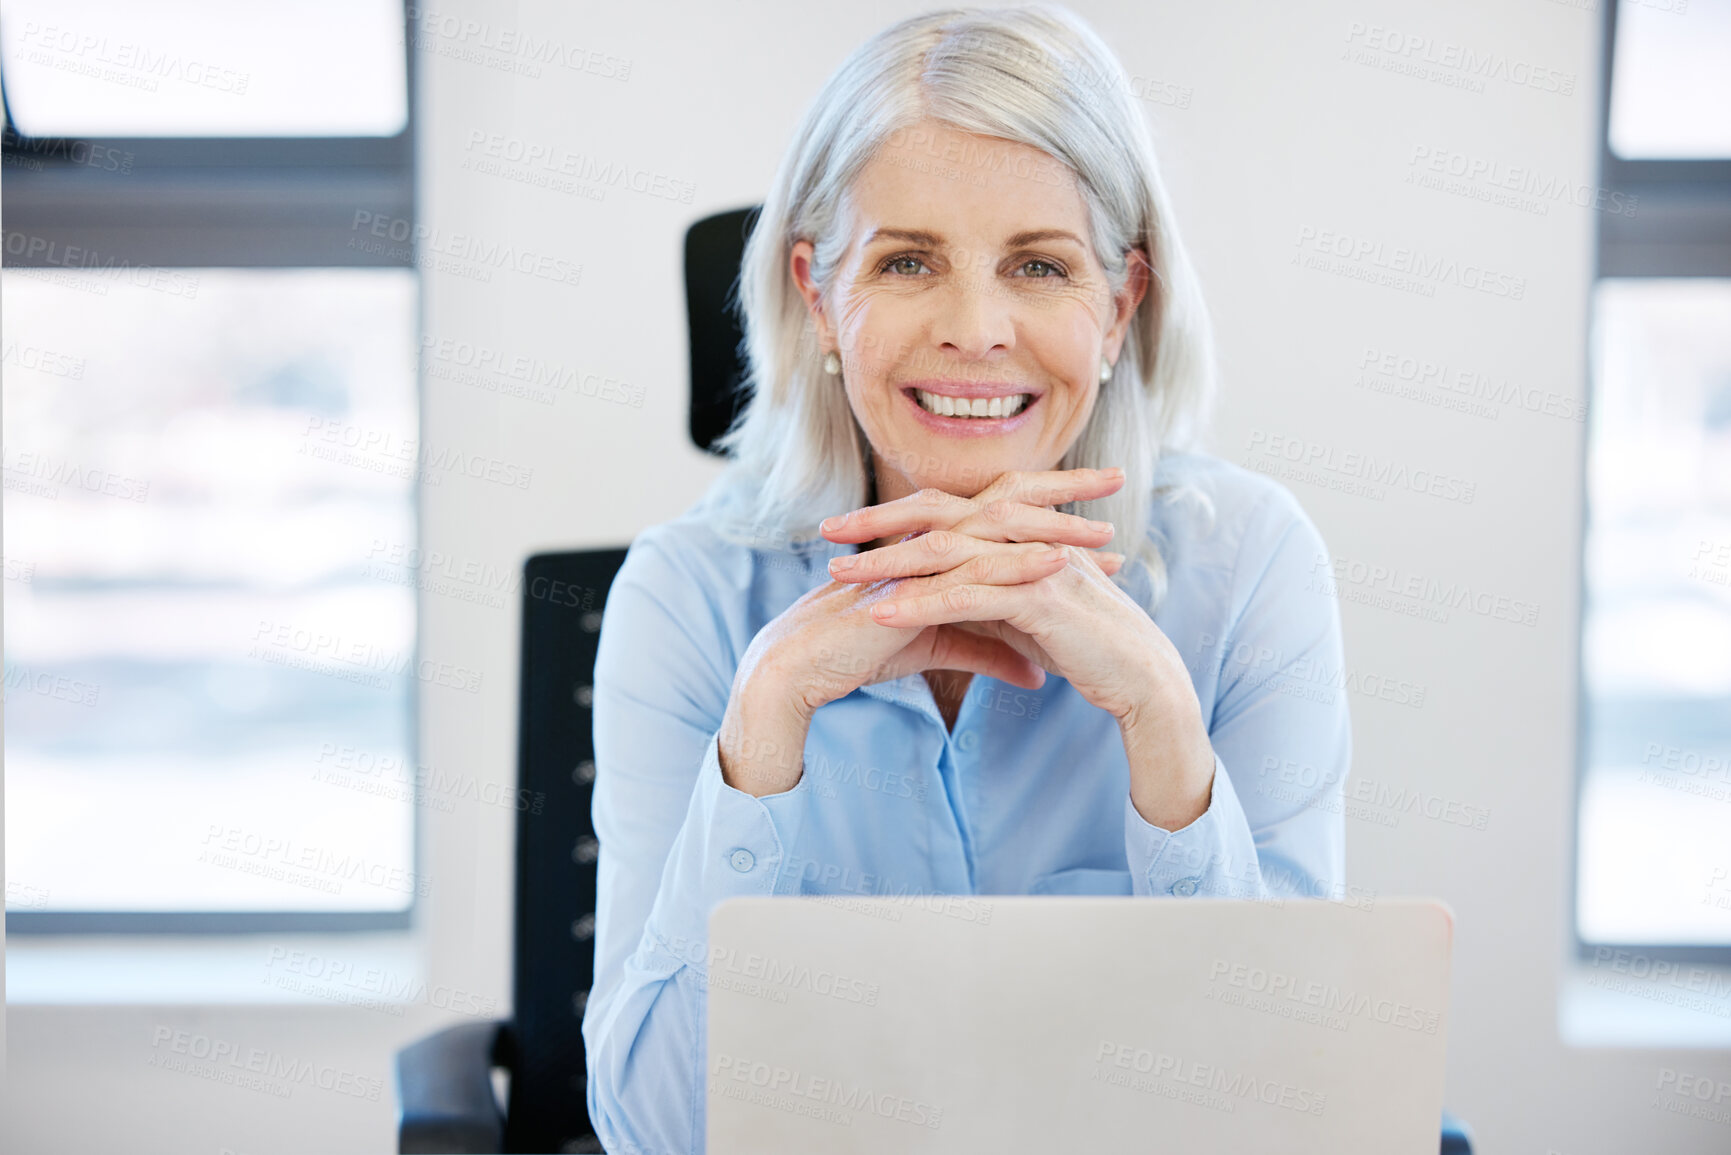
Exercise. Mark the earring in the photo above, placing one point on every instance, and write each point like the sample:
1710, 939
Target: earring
832, 363
1105, 370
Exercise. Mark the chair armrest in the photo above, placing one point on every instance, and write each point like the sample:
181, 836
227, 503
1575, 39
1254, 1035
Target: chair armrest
445, 1097
1456, 1139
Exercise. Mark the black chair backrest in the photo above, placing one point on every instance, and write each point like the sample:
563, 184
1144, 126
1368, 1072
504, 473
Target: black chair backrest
713, 249
563, 597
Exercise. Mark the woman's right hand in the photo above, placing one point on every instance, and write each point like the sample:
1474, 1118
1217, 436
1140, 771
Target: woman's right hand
827, 645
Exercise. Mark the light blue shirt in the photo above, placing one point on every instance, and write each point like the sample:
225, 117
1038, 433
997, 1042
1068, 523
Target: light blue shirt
1028, 795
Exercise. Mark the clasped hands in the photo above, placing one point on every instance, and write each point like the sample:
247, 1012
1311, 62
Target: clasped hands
999, 584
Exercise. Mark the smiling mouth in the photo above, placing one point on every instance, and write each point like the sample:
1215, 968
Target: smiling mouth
940, 405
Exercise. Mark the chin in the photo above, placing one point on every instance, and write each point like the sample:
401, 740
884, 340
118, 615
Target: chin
959, 436
960, 470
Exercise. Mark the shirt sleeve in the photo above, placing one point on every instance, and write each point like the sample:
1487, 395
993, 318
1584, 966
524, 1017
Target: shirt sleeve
1280, 730
675, 841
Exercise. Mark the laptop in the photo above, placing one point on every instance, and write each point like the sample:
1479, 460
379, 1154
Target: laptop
967, 1023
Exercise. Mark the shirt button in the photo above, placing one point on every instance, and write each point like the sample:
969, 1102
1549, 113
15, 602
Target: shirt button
743, 860
1184, 887
968, 740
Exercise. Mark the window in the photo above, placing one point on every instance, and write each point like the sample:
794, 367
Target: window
209, 302
1653, 866
1673, 80
205, 68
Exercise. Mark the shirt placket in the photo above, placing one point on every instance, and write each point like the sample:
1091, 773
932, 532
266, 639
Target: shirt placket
952, 842
959, 767
957, 760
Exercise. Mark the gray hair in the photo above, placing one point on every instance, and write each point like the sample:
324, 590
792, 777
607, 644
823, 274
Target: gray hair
1035, 75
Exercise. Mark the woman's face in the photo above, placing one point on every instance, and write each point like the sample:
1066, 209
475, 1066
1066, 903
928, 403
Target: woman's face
968, 283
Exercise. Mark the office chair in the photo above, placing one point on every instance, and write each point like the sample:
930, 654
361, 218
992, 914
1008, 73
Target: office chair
444, 1082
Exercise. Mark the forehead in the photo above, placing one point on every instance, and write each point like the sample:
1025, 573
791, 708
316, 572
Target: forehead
964, 186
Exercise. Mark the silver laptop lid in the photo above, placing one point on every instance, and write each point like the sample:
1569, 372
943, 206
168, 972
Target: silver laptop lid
1017, 1023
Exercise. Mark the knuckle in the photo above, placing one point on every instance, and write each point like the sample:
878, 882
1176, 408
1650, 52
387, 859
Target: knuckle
999, 509
930, 497
980, 568
959, 598
937, 543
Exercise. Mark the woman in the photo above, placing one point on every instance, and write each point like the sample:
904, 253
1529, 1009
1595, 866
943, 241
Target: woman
886, 654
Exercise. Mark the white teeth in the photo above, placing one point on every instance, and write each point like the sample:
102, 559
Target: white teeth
999, 406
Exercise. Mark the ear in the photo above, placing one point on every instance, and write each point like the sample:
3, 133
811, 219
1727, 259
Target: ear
1124, 305
799, 265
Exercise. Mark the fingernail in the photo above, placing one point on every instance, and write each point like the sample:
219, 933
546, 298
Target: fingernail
1101, 526
1113, 471
842, 564
884, 610
831, 524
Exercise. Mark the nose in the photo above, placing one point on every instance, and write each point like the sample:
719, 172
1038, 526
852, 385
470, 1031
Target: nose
974, 317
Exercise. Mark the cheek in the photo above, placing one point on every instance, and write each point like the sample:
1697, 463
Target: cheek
870, 405
1070, 349
882, 332
1066, 337
1073, 411
1081, 335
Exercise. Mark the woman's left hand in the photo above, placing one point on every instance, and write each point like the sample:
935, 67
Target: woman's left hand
1075, 623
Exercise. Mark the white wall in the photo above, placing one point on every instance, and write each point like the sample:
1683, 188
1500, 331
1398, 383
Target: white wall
1268, 129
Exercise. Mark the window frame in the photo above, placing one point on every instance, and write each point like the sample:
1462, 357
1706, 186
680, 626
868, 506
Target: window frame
1682, 229
222, 202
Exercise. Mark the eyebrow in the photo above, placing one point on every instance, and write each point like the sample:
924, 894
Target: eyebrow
932, 240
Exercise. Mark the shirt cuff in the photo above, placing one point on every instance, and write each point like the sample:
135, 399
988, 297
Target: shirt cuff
732, 844
1214, 856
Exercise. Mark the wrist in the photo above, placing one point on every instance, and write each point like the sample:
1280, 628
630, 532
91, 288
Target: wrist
1171, 765
1176, 803
761, 747
1160, 710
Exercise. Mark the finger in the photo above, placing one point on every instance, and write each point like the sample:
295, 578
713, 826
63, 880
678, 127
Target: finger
995, 521
1018, 565
957, 603
933, 509
922, 510
1002, 520
941, 551
953, 649
1009, 565
1048, 487
1054, 486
